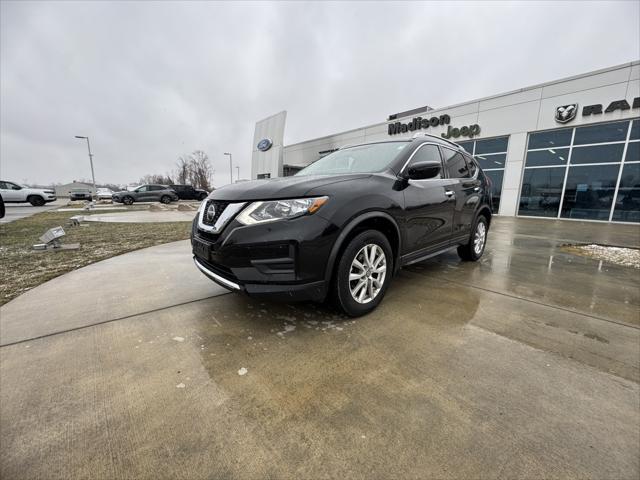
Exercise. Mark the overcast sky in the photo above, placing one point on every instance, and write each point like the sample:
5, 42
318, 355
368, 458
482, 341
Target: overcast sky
150, 81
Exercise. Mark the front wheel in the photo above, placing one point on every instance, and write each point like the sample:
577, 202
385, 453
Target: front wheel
473, 250
363, 273
127, 200
166, 199
36, 201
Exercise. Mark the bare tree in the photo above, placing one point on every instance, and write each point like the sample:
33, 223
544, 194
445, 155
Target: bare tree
200, 171
158, 179
183, 167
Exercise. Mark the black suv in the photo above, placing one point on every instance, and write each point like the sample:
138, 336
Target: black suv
189, 192
345, 224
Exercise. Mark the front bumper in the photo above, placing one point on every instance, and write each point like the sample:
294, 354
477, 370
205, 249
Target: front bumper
314, 291
283, 260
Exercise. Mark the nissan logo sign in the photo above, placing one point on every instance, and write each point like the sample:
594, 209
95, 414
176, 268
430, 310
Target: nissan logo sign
264, 144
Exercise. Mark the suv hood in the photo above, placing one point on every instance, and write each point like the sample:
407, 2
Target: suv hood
279, 188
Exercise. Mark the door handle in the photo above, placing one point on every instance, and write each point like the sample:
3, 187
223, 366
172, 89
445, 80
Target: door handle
449, 193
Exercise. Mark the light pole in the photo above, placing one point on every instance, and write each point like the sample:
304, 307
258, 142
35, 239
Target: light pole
230, 167
93, 177
238, 167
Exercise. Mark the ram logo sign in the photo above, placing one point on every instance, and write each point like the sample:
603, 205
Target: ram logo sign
566, 113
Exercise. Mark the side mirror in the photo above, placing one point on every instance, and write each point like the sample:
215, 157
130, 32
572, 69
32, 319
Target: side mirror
423, 170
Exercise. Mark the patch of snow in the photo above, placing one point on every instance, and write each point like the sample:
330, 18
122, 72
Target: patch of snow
178, 339
180, 385
242, 371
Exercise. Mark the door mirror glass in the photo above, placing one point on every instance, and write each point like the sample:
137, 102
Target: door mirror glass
423, 170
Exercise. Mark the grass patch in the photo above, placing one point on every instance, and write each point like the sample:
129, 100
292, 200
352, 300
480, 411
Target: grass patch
23, 268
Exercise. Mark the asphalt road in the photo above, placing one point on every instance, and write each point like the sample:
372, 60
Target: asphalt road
15, 211
523, 365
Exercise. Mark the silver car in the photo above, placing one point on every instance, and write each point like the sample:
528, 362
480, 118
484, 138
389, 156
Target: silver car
104, 193
146, 193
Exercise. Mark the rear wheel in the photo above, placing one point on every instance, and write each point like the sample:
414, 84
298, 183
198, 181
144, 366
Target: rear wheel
165, 199
363, 273
36, 201
473, 250
127, 200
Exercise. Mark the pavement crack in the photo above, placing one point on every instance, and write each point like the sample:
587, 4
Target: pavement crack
62, 332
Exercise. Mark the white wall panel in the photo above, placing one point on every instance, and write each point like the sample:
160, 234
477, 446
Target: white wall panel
506, 120
512, 99
618, 75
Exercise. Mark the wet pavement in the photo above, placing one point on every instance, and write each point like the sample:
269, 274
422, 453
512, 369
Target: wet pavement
523, 365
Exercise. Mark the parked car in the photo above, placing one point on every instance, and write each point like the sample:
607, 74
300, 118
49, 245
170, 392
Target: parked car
146, 193
80, 194
104, 193
14, 193
188, 192
341, 227
1, 207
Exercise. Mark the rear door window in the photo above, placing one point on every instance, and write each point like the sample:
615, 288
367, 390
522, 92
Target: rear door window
455, 164
471, 165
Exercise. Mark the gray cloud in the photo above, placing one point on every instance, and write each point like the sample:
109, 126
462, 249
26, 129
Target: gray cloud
151, 81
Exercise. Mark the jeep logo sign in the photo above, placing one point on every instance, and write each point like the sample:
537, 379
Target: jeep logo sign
419, 123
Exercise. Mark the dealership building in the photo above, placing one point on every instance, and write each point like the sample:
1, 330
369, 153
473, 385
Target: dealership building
567, 149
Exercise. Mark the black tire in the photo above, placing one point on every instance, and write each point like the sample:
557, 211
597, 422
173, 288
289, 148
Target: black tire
342, 285
127, 200
166, 199
469, 252
36, 201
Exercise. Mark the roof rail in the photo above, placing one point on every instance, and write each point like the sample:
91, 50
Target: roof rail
424, 134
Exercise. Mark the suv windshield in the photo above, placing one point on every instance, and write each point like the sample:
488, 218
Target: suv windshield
370, 158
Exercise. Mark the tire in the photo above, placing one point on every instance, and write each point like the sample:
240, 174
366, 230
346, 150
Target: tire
127, 200
166, 199
346, 290
36, 201
470, 252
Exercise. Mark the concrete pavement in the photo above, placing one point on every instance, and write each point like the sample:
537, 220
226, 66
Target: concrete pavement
524, 365
143, 216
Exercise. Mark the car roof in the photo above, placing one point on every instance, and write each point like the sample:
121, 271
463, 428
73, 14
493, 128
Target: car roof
417, 138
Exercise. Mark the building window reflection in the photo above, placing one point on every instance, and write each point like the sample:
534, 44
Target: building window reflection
491, 155
590, 173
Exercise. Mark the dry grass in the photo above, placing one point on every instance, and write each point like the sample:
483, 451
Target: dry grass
22, 268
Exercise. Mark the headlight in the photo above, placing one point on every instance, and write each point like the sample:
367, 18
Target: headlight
270, 211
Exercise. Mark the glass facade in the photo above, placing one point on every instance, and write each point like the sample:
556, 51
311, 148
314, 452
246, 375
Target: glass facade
590, 173
491, 155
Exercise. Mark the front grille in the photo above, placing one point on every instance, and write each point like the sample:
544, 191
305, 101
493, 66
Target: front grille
219, 206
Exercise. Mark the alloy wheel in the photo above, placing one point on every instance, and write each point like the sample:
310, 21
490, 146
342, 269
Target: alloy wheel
367, 273
479, 238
